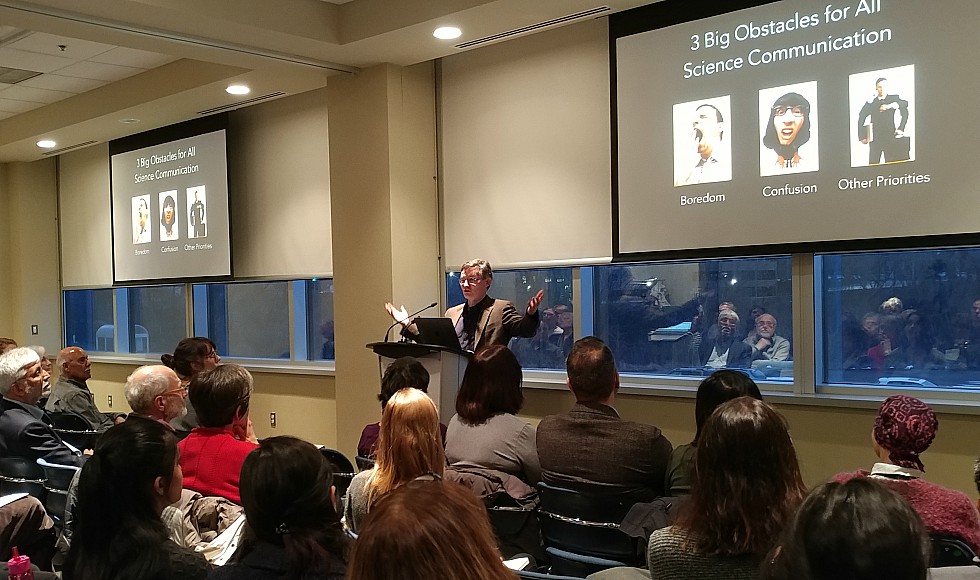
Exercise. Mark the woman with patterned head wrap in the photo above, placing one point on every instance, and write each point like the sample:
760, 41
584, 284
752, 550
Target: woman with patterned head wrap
903, 429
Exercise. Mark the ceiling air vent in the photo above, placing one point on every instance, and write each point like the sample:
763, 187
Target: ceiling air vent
68, 148
598, 11
238, 104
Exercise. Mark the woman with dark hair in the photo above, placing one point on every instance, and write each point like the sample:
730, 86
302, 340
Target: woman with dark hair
168, 219
720, 386
192, 355
485, 431
426, 530
292, 526
405, 372
856, 530
904, 428
122, 491
788, 129
746, 486
409, 446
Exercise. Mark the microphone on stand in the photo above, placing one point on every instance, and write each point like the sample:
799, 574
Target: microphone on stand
410, 316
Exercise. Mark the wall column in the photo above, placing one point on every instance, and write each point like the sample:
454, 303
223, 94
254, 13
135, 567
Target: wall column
384, 207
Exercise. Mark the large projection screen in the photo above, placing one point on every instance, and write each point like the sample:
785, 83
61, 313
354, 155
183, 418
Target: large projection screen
170, 204
795, 122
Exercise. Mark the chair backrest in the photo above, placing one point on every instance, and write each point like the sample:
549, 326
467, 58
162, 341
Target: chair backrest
58, 480
364, 463
343, 469
950, 551
19, 474
587, 523
70, 421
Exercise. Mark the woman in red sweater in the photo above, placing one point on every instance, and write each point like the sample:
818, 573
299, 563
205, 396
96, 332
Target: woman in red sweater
212, 455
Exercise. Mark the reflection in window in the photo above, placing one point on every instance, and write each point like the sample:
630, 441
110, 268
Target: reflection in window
157, 318
690, 318
556, 333
249, 320
88, 320
319, 325
908, 318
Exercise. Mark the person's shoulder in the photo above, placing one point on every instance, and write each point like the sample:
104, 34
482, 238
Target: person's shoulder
186, 563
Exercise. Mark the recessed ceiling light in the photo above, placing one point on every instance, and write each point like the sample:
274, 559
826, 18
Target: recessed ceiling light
129, 121
238, 90
447, 32
46, 144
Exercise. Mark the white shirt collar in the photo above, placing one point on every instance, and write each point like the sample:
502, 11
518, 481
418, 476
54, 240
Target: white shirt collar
895, 471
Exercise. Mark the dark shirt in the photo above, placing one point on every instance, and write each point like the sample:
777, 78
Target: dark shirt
466, 325
268, 562
368, 443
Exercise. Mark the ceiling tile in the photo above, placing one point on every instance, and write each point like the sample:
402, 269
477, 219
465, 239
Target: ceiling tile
99, 71
12, 106
32, 60
55, 82
33, 95
44, 43
133, 57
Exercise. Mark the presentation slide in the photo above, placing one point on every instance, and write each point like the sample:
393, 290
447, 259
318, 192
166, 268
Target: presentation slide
796, 122
170, 210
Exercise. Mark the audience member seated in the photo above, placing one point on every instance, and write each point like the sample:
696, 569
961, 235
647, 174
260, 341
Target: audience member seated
25, 430
25, 524
967, 337
765, 343
920, 343
7, 344
122, 491
903, 429
154, 392
856, 530
405, 372
48, 367
71, 395
192, 355
409, 446
889, 353
721, 386
485, 431
591, 448
212, 455
293, 529
540, 351
427, 530
723, 349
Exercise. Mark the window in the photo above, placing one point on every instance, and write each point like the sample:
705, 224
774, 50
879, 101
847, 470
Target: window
688, 318
283, 320
556, 333
89, 320
899, 319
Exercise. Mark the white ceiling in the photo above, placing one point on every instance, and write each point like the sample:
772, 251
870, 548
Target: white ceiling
164, 61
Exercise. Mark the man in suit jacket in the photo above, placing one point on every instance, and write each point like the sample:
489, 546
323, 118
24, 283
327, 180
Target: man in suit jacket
591, 448
24, 428
481, 320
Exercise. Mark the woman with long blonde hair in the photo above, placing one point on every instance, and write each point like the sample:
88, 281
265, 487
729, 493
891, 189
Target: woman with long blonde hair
409, 447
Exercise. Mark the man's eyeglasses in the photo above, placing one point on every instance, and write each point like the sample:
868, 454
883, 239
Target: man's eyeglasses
182, 391
469, 281
780, 111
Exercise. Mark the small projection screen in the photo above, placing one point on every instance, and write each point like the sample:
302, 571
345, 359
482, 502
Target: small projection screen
170, 218
793, 124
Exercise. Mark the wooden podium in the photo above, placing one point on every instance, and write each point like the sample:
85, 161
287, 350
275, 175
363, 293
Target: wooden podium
445, 365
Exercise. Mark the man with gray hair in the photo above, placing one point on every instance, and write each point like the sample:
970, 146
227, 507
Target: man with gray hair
725, 350
154, 392
24, 428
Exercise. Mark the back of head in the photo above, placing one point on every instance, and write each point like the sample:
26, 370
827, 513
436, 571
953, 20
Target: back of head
721, 386
857, 530
285, 489
409, 442
746, 481
145, 384
221, 393
118, 532
905, 426
591, 370
491, 385
7, 344
425, 530
12, 365
401, 374
189, 350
